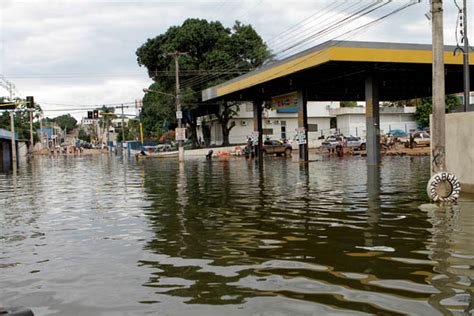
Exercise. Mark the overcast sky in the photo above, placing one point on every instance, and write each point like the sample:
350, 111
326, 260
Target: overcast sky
74, 54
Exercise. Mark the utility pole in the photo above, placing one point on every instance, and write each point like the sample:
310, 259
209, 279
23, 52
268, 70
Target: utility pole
438, 149
12, 129
179, 113
41, 132
31, 130
123, 129
467, 88
30, 105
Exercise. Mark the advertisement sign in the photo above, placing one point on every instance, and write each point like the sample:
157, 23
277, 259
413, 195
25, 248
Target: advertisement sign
285, 101
180, 133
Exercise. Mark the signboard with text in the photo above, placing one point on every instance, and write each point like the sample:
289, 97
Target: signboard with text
285, 101
180, 133
254, 138
300, 135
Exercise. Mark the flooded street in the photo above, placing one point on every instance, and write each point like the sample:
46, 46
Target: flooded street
103, 235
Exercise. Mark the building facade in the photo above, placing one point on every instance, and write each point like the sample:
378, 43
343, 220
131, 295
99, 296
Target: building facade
324, 118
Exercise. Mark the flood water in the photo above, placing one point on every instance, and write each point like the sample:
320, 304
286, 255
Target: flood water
103, 235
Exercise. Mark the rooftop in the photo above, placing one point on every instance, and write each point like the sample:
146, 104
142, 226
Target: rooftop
336, 70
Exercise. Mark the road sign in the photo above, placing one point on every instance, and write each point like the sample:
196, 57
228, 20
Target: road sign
179, 114
254, 138
300, 135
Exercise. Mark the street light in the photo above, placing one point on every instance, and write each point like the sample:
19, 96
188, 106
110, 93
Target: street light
146, 90
179, 115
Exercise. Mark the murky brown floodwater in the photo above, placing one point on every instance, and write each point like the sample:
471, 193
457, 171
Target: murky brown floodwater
107, 236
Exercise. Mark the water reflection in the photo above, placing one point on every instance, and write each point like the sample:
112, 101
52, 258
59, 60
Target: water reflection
225, 236
452, 251
373, 203
313, 233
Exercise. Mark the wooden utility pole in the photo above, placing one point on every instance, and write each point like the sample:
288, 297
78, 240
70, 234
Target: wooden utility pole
438, 132
467, 87
179, 113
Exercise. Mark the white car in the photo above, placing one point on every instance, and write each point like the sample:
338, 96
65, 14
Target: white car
419, 139
353, 142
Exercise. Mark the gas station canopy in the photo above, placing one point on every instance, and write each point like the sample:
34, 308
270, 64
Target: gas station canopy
336, 71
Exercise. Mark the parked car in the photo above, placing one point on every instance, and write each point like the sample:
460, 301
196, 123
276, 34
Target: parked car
271, 147
419, 139
396, 133
331, 142
353, 142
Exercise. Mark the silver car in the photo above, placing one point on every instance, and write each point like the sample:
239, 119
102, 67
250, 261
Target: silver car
353, 142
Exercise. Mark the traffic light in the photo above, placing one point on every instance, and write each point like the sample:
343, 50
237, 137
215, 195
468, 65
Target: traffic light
96, 114
30, 102
89, 114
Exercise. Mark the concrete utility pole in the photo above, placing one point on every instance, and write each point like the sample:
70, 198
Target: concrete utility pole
179, 113
41, 132
123, 129
438, 147
31, 131
12, 129
467, 87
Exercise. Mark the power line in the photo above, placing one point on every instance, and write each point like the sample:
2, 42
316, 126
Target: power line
352, 16
226, 64
197, 80
359, 11
358, 29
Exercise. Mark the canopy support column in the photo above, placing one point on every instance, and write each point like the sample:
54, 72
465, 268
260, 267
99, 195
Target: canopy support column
258, 127
303, 123
372, 121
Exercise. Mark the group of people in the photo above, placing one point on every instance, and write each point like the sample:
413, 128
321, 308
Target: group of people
388, 142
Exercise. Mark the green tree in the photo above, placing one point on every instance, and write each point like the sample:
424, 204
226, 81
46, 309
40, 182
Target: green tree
106, 116
425, 107
348, 104
21, 120
209, 46
131, 131
206, 133
83, 135
226, 112
66, 122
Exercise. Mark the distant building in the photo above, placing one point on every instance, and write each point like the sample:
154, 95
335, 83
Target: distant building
351, 121
5, 148
324, 118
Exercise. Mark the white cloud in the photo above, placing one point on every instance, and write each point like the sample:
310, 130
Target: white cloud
83, 51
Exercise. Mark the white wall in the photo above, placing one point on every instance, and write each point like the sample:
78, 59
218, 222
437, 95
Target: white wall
460, 148
405, 122
350, 121
354, 124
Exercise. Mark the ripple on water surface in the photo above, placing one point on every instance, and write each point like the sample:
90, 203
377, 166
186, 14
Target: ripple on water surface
109, 236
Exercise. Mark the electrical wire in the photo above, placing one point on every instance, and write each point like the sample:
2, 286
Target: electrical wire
358, 29
379, 19
197, 81
351, 16
225, 65
331, 26
459, 21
